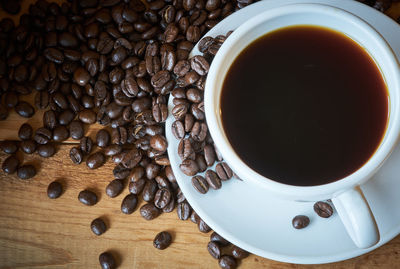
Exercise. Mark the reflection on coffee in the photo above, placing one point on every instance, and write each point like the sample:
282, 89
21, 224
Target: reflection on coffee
304, 105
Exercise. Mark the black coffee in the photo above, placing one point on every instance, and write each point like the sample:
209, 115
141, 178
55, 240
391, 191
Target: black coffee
304, 106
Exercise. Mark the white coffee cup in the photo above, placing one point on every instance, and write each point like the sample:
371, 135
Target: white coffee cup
345, 193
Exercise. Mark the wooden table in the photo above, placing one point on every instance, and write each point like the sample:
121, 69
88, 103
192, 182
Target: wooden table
36, 232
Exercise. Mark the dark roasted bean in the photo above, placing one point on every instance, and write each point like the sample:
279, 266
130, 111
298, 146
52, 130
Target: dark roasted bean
95, 160
239, 253
214, 249
131, 158
300, 222
227, 262
54, 190
184, 210
149, 190
129, 204
189, 168
219, 239
162, 240
60, 133
87, 197
87, 116
178, 129
200, 65
162, 198
26, 171
9, 146
106, 259
323, 209
28, 146
46, 150
76, 130
200, 184
149, 211
114, 188
43, 136
98, 226
10, 164
112, 150
103, 138
213, 180
203, 227
24, 109
76, 155
224, 172
209, 154
50, 119
86, 145
159, 142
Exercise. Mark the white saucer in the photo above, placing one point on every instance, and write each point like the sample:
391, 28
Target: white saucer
261, 224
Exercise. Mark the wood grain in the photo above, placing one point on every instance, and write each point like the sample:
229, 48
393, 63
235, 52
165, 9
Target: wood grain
36, 232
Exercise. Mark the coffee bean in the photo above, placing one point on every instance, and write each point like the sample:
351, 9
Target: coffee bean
162, 240
120, 172
184, 210
178, 129
137, 186
76, 130
103, 138
200, 184
49, 119
213, 180
112, 150
300, 222
119, 135
129, 204
24, 109
95, 160
131, 158
160, 78
227, 262
179, 111
54, 190
239, 253
25, 132
159, 143
209, 154
149, 190
189, 167
66, 117
87, 116
87, 197
54, 55
98, 226
26, 171
114, 188
203, 227
43, 136
10, 164
323, 209
162, 198
160, 112
86, 145
201, 162
9, 146
76, 155
219, 239
149, 211
189, 122
200, 65
60, 133
224, 172
152, 170
28, 146
107, 261
46, 151
214, 249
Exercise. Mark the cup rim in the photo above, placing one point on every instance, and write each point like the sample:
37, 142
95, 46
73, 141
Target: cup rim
306, 193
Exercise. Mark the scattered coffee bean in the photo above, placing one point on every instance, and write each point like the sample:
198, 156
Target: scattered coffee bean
28, 146
107, 261
227, 262
323, 209
300, 222
25, 132
76, 155
87, 197
43, 136
95, 160
114, 188
54, 190
162, 240
26, 171
200, 184
239, 253
86, 145
9, 146
98, 226
203, 227
76, 130
149, 211
46, 150
184, 210
129, 204
24, 109
103, 138
10, 164
162, 198
224, 172
214, 249
219, 239
213, 180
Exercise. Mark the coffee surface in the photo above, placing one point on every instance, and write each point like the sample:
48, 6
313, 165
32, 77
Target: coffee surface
304, 105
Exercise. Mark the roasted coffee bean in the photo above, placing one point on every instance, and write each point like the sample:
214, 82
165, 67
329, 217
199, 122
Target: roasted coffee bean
194, 218
54, 55
227, 262
194, 95
203, 227
141, 104
11, 99
60, 100
26, 171
160, 112
213, 180
149, 190
200, 184
95, 160
24, 109
180, 197
129, 203
87, 116
10, 164
209, 154
189, 167
159, 142
178, 129
149, 211
106, 259
137, 186
199, 131
60, 133
162, 240
120, 172
28, 146
185, 150
76, 130
197, 110
46, 150
54, 190
86, 145
154, 130
219, 239
50, 119
87, 197
103, 138
160, 78
201, 163
131, 158
184, 210
76, 155
25, 132
9, 146
81, 76
98, 226
239, 253
114, 188
200, 65
224, 172
179, 111
119, 135
189, 122
300, 222
152, 170
323, 209
112, 150
214, 249
162, 198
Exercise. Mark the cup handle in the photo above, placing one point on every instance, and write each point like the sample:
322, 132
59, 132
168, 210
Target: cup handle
356, 215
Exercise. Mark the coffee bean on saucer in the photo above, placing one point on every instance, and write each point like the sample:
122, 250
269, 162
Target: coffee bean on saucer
219, 239
323, 209
87, 197
227, 262
129, 203
300, 222
223, 170
189, 167
114, 188
26, 171
54, 190
213, 180
98, 226
214, 249
162, 240
107, 261
10, 164
239, 253
200, 184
